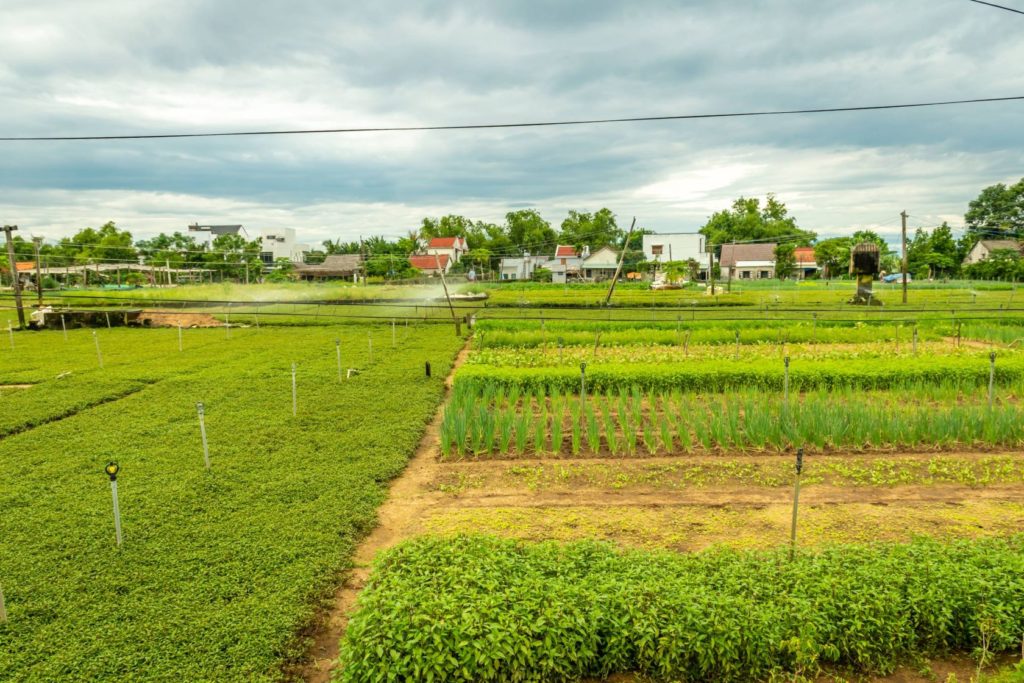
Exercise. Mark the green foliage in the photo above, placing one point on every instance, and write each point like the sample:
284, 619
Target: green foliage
219, 570
996, 213
484, 609
748, 221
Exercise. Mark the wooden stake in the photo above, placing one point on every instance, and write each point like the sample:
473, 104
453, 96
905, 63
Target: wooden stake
618, 268
796, 502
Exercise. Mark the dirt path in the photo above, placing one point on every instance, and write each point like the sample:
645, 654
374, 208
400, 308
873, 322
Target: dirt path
404, 505
158, 318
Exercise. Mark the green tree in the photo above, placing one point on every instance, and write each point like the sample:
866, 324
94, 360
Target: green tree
596, 230
785, 260
996, 213
528, 231
833, 255
748, 221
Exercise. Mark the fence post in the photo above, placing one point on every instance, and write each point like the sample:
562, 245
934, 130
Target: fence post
796, 502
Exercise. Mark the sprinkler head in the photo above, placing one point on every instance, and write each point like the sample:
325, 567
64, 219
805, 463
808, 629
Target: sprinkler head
112, 469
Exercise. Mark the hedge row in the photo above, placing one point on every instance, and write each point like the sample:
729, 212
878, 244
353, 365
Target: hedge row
483, 609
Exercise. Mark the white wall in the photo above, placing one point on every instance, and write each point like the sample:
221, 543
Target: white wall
677, 246
281, 243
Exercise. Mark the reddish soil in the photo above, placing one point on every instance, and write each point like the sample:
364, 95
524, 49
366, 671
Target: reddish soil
177, 318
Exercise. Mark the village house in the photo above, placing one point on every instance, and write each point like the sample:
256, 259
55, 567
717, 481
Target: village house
984, 248
601, 264
452, 247
748, 261
566, 263
805, 266
431, 264
521, 267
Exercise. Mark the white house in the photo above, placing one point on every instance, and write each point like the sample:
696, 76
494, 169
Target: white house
676, 246
748, 261
522, 267
452, 247
984, 248
281, 244
601, 264
205, 234
566, 263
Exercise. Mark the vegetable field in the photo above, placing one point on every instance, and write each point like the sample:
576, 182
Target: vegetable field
220, 571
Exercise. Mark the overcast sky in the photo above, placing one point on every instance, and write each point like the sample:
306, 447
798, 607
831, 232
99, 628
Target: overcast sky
82, 67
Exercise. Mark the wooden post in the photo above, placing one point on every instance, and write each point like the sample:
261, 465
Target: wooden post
618, 268
15, 280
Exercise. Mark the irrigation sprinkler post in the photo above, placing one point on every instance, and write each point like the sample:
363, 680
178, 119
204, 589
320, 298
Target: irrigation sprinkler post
106, 314
394, 343
369, 338
686, 345
736, 356
295, 399
337, 349
678, 323
99, 356
3, 607
10, 331
227, 324
559, 350
958, 334
202, 432
181, 346
814, 329
785, 383
63, 327
112, 469
991, 377
796, 502
583, 386
597, 340
915, 340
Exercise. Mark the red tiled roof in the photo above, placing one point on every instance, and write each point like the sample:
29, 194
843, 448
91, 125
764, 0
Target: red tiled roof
804, 254
565, 250
428, 262
443, 242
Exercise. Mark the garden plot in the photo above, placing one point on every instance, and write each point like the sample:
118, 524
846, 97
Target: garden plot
660, 446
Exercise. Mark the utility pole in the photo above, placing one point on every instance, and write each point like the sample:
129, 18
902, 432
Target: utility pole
903, 216
37, 242
618, 268
15, 285
711, 268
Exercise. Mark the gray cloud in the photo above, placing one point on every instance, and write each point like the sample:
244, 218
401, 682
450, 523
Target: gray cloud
115, 66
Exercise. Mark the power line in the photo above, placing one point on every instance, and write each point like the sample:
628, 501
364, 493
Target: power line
992, 4
530, 124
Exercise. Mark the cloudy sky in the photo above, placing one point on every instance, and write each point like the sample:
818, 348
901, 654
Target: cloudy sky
81, 67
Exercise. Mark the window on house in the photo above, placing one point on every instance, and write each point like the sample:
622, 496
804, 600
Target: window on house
764, 274
745, 275
657, 249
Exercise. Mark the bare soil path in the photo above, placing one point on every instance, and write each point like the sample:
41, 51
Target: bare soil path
404, 505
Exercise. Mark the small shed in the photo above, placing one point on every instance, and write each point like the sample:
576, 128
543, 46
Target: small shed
334, 266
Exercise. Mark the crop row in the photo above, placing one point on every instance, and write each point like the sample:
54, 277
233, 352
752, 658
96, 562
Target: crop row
657, 423
887, 373
483, 609
684, 336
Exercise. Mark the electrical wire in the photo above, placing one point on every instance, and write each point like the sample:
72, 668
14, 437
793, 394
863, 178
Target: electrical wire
992, 4
529, 124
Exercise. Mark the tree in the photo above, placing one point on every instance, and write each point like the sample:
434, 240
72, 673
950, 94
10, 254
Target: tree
596, 230
747, 221
785, 260
996, 213
933, 254
529, 231
833, 255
